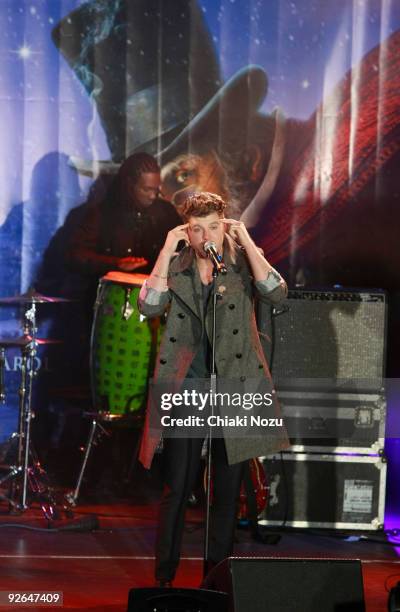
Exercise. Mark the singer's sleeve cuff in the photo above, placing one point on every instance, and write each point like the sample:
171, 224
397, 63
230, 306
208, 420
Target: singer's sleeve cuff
152, 303
150, 296
273, 289
272, 282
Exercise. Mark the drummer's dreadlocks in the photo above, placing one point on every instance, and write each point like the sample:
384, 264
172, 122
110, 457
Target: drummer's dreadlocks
137, 164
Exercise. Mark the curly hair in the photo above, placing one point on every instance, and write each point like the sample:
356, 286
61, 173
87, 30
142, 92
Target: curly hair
137, 164
202, 204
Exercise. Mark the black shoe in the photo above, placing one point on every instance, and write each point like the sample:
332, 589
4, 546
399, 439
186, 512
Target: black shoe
164, 584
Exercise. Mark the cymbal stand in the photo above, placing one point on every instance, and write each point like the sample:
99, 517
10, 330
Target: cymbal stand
13, 470
27, 374
34, 477
2, 368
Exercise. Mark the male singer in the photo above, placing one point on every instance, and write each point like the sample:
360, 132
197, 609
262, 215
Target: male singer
184, 282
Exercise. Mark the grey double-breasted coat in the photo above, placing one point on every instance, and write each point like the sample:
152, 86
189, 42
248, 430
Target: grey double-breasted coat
239, 354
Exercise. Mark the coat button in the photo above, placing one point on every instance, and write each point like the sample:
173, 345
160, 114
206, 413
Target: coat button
238, 355
260, 367
242, 378
172, 339
163, 361
181, 315
235, 331
231, 306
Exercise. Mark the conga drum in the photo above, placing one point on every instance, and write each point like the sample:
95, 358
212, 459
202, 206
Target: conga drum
123, 346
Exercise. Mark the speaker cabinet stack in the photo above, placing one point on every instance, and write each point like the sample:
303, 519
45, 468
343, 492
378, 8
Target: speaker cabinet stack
327, 355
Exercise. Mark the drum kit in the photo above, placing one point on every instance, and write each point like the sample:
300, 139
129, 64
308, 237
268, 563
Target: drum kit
122, 353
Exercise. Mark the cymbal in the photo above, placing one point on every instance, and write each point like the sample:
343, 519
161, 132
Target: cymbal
32, 297
21, 341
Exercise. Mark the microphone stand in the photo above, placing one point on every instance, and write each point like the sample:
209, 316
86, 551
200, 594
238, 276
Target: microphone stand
213, 389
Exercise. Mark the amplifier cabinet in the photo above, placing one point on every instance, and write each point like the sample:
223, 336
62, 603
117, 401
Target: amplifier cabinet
334, 422
325, 491
326, 340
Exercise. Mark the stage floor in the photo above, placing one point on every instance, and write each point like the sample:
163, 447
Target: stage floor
95, 570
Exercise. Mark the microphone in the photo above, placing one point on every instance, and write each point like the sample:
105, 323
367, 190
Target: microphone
211, 249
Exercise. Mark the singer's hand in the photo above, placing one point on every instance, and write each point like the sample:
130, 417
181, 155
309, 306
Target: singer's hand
237, 230
174, 236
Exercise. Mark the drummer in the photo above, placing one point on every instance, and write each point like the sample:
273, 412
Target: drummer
128, 228
124, 232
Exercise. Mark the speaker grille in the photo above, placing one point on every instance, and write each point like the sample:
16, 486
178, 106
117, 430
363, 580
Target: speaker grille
290, 585
329, 339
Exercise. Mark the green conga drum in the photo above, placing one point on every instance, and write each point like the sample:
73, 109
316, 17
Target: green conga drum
123, 347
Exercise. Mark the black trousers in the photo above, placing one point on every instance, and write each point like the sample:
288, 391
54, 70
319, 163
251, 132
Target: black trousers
181, 457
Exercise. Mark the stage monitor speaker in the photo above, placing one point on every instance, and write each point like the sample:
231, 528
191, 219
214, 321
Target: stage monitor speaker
394, 599
176, 600
326, 340
289, 585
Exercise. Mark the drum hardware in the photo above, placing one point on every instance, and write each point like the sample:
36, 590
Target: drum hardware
127, 309
13, 471
97, 431
95, 434
27, 476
